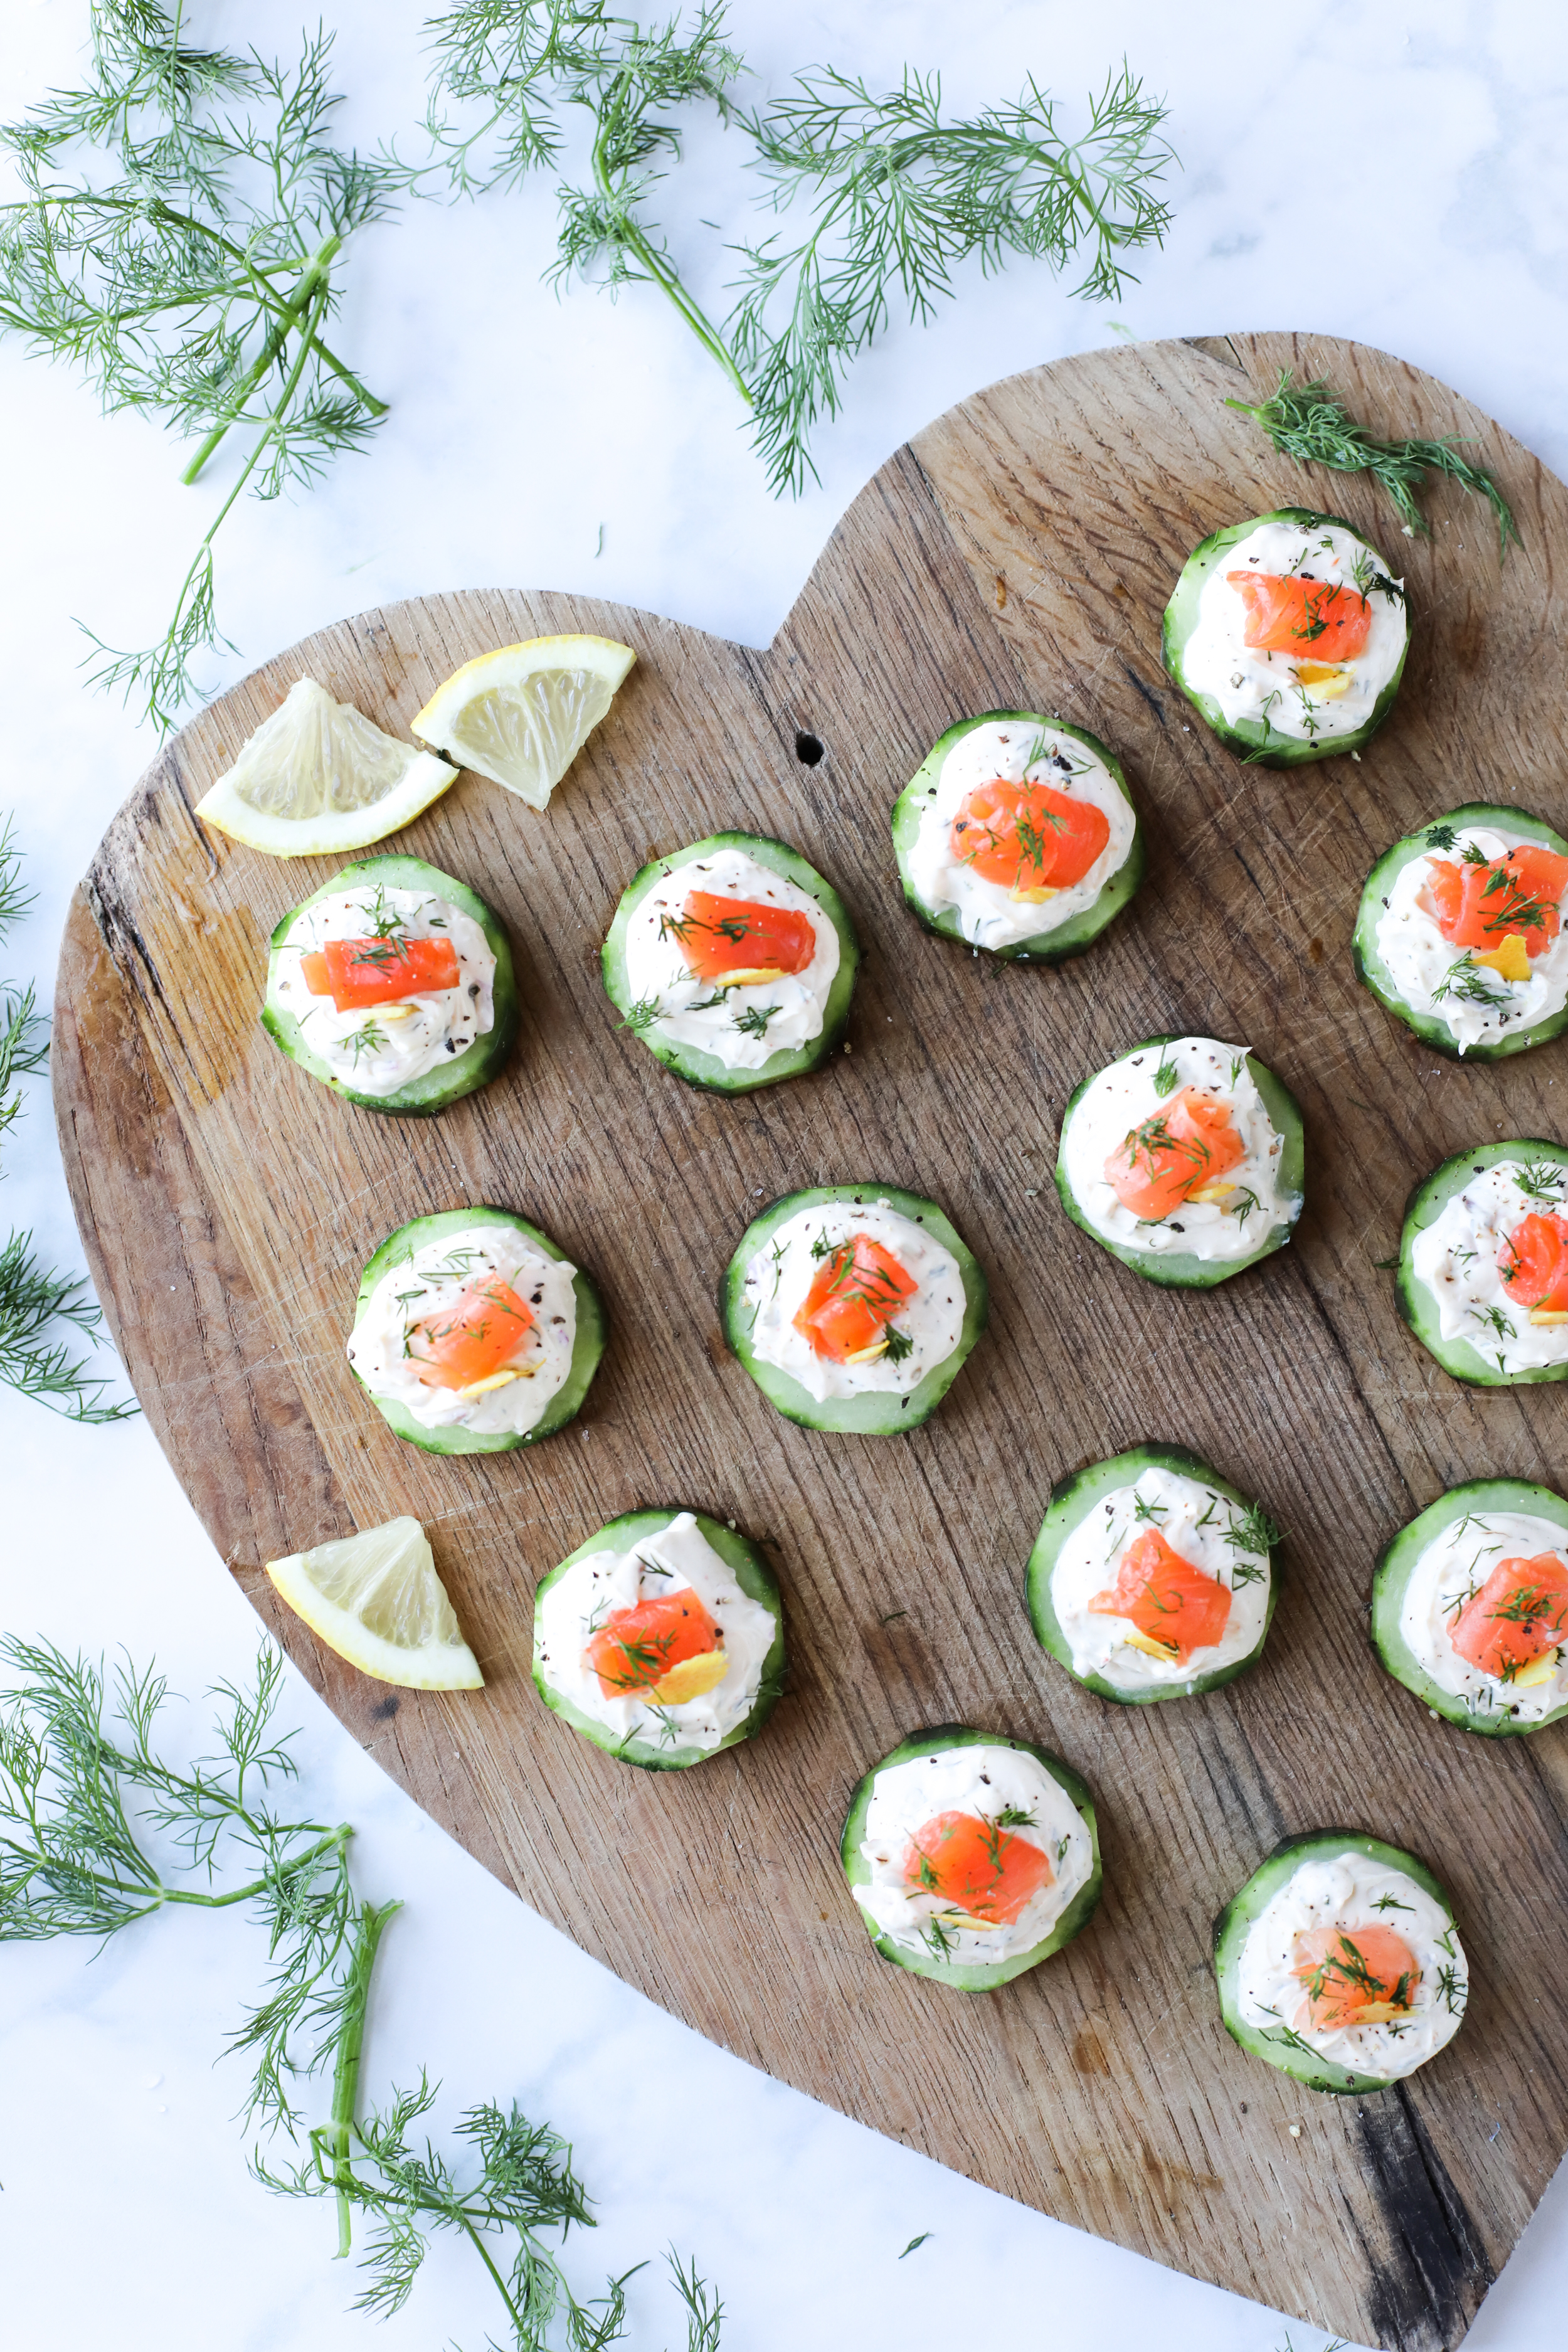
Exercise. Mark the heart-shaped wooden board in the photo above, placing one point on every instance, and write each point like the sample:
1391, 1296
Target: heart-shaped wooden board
1019, 553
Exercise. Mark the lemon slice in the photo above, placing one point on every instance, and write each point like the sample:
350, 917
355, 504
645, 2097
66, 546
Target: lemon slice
377, 1599
522, 714
317, 778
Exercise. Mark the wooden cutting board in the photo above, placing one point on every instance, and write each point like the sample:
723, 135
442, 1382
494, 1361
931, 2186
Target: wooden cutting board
1018, 552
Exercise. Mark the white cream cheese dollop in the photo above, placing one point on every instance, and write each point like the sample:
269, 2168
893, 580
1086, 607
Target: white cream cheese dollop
777, 1279
1420, 961
384, 1047
985, 1781
1455, 1564
746, 1027
1122, 1096
1248, 683
1197, 1521
430, 1282
1456, 1257
1013, 750
1350, 1891
678, 1560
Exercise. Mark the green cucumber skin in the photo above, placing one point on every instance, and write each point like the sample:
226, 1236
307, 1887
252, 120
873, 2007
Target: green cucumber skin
469, 1070
1180, 1270
704, 1070
1247, 738
1072, 1499
592, 1331
857, 1870
754, 1578
1391, 1580
1373, 974
1412, 1299
877, 1414
1233, 1923
1070, 938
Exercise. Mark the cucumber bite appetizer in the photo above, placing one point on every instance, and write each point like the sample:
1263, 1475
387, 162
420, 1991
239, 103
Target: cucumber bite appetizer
733, 962
394, 986
1483, 1264
1183, 1159
1469, 1606
1153, 1577
661, 1639
473, 1333
1287, 635
973, 1857
853, 1308
1339, 1962
1018, 836
1461, 932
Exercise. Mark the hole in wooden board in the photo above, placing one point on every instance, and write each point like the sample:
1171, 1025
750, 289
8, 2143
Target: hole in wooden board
807, 748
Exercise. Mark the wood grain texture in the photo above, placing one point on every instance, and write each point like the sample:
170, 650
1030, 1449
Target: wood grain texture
1018, 552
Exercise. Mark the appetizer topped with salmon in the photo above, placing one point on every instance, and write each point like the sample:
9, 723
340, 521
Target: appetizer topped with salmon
1183, 1157
1483, 1264
474, 1334
1469, 1606
1018, 836
733, 962
1339, 1962
394, 986
1461, 932
853, 1308
1288, 636
973, 1857
1153, 1577
661, 1639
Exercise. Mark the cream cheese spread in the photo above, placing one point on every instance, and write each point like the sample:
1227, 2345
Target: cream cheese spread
379, 1049
1440, 981
1013, 750
1197, 1522
1454, 1566
741, 1027
778, 1278
1455, 1259
430, 1282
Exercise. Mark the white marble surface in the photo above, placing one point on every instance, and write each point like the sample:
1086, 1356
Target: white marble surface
519, 426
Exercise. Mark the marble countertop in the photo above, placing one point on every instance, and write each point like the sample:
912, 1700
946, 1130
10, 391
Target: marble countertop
591, 447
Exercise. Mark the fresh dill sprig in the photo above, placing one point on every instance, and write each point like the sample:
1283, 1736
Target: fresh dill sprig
642, 1015
1253, 1530
1468, 984
1309, 423
178, 238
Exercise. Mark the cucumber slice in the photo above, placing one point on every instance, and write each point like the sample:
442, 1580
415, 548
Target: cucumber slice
1371, 969
1476, 1498
1052, 945
688, 1062
1072, 1501
1182, 1269
880, 1413
466, 1071
592, 1330
857, 1870
1413, 1298
754, 1578
1279, 2045
1255, 741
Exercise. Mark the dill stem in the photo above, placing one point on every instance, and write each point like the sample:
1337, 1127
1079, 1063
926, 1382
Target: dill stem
351, 2042
702, 327
483, 2252
292, 317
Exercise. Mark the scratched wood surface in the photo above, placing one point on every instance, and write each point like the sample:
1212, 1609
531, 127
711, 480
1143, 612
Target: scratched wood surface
1017, 553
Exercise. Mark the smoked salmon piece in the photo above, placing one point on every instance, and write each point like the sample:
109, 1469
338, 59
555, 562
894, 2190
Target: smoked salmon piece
855, 1293
474, 1338
635, 1648
1516, 896
1520, 1614
740, 941
1349, 1972
1174, 1153
356, 974
1170, 1601
1533, 1262
977, 1866
1032, 840
1310, 618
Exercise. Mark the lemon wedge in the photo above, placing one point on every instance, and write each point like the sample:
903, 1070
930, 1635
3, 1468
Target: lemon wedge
522, 714
377, 1599
317, 778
